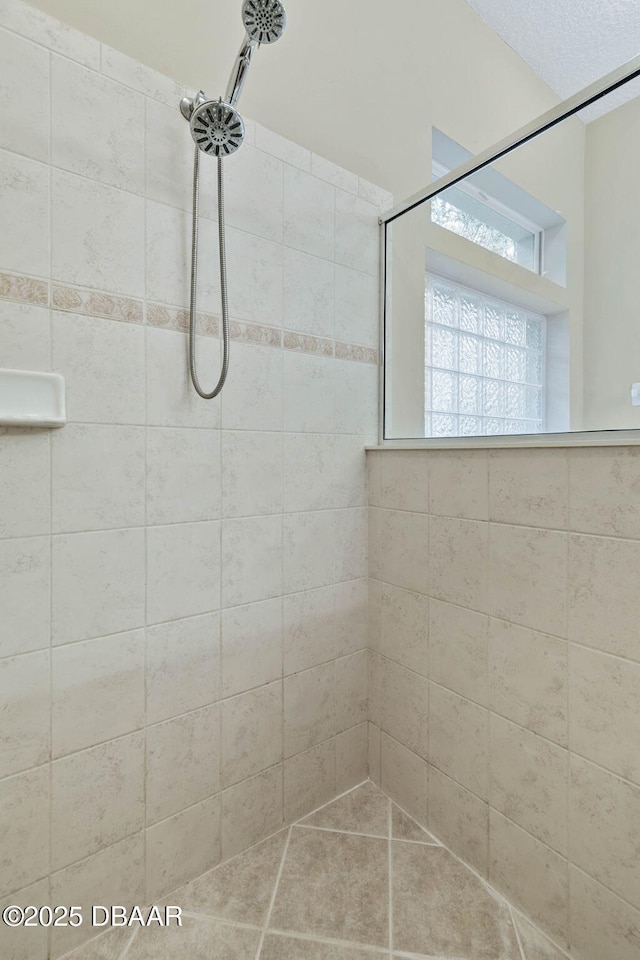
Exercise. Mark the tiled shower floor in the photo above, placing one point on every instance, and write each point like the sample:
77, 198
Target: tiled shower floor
356, 880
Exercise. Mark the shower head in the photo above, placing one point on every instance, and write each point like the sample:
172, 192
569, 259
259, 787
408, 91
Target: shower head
216, 125
217, 128
264, 20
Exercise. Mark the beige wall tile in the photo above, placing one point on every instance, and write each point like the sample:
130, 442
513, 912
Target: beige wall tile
251, 560
97, 798
528, 570
352, 690
24, 203
351, 547
404, 482
114, 875
605, 485
604, 601
108, 146
529, 782
25, 481
97, 236
605, 710
403, 621
352, 760
26, 75
349, 471
404, 776
251, 811
25, 572
356, 233
183, 475
459, 739
21, 943
542, 890
182, 847
309, 780
25, 695
351, 621
182, 762
103, 364
459, 819
458, 551
245, 455
459, 650
604, 817
251, 732
309, 708
308, 393
171, 400
529, 487
24, 801
87, 680
374, 751
529, 679
251, 646
404, 706
183, 570
83, 565
376, 665
26, 330
308, 471
403, 549
183, 666
458, 484
309, 629
602, 924
309, 548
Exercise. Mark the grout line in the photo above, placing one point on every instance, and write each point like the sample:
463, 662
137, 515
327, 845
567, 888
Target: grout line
369, 836
274, 894
312, 938
124, 953
517, 932
390, 874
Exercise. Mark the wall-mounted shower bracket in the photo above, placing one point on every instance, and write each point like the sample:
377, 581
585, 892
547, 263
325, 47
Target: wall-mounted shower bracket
189, 104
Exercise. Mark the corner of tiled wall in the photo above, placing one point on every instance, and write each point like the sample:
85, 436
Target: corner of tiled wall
200, 565
505, 673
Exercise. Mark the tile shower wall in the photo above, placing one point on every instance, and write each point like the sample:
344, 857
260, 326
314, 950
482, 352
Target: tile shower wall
505, 673
182, 583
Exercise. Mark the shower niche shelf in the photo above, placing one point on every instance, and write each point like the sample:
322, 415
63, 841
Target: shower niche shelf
29, 399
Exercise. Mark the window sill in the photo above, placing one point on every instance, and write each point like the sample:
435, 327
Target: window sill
596, 438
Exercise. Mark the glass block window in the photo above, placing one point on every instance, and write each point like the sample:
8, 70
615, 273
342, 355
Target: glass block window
461, 214
484, 364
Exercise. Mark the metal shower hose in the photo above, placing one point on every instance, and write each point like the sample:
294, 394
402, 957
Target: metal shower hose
194, 281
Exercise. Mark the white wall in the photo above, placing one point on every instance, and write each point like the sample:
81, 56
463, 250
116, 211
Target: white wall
358, 81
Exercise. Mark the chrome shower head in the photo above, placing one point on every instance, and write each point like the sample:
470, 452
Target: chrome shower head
264, 20
217, 128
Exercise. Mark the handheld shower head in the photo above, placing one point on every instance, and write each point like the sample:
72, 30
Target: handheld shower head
217, 128
264, 20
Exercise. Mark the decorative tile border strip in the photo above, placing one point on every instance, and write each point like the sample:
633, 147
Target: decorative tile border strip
24, 289
174, 318
94, 303
356, 352
304, 343
255, 333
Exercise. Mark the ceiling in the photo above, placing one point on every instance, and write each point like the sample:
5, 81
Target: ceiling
569, 43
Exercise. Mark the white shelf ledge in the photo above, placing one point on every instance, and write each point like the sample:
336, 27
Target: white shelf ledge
29, 399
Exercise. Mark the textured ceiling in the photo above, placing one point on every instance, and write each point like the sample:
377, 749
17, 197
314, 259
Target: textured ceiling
569, 43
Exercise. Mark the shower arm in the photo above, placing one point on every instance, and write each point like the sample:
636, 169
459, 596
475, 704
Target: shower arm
240, 71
